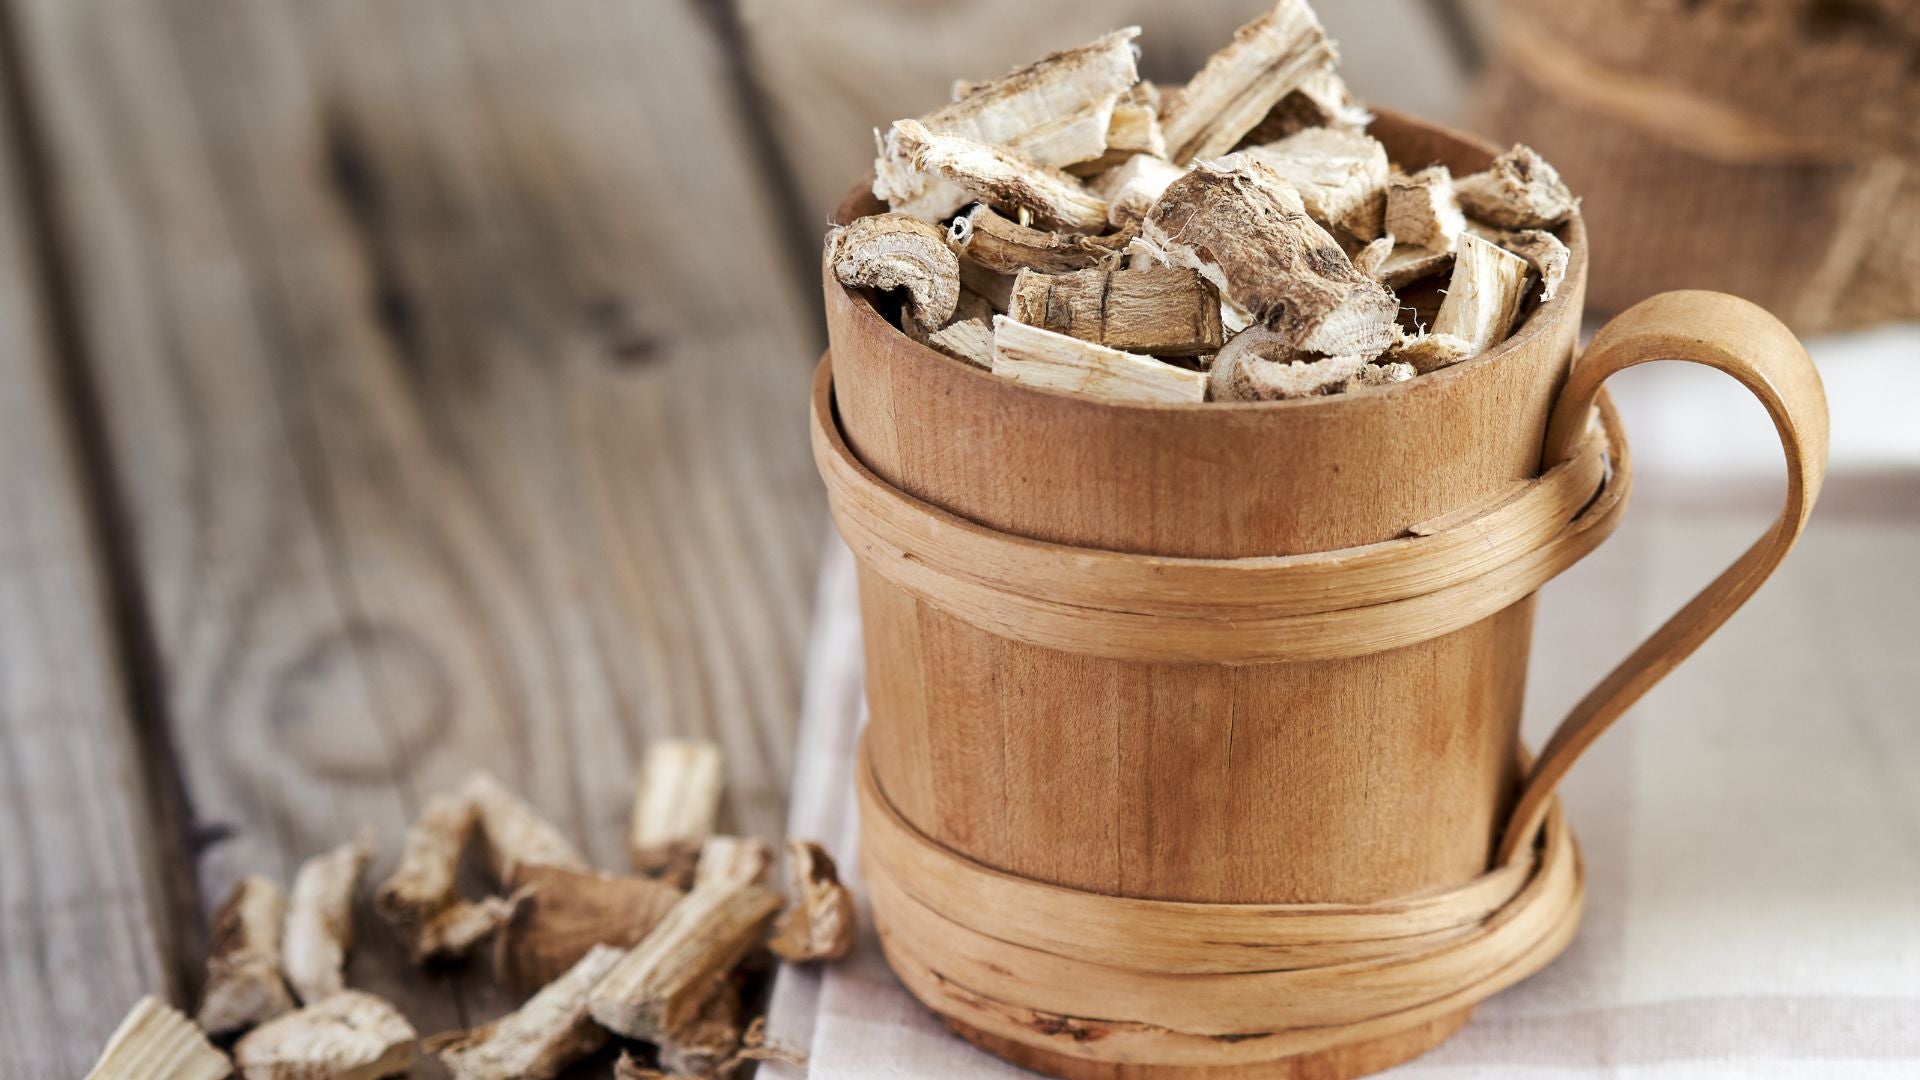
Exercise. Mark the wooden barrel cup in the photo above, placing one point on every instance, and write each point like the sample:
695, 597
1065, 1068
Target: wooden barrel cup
1194, 728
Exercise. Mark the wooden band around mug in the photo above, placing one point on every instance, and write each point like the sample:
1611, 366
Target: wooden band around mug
1123, 979
1448, 574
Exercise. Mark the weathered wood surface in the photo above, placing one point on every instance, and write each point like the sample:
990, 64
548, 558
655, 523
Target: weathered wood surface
442, 369
80, 907
453, 377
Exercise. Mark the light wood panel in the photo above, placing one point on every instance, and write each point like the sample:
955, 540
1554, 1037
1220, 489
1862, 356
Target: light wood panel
832, 70
82, 932
457, 393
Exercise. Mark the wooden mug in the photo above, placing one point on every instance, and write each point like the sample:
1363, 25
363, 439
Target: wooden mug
1194, 728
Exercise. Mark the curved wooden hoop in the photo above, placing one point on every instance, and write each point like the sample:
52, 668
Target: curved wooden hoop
1112, 978
1450, 573
1743, 340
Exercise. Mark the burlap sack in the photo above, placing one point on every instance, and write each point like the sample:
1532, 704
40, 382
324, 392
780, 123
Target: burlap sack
1767, 149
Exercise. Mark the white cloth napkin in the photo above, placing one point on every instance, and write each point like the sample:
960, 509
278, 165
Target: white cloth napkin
1751, 829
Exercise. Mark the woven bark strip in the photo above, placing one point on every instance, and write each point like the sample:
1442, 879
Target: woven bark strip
1029, 951
1321, 606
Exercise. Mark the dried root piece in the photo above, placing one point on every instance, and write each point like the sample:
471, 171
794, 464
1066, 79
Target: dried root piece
1483, 296
656, 990
1380, 375
893, 251
461, 926
1246, 230
157, 1040
1423, 211
712, 1037
419, 896
419, 899
969, 337
819, 923
1407, 265
990, 285
678, 795
1321, 100
1007, 247
1519, 191
1001, 178
349, 1036
565, 913
1429, 352
319, 928
1135, 128
753, 1047
244, 986
1042, 358
1056, 111
1161, 311
736, 861
1259, 365
1341, 177
1369, 260
551, 1031
1131, 187
1545, 255
514, 835
1269, 58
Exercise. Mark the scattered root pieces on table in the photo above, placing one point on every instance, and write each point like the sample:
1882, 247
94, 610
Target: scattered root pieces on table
244, 983
818, 923
753, 1047
656, 990
319, 926
674, 806
514, 836
739, 860
1068, 189
551, 1031
350, 1035
564, 913
420, 899
154, 1040
636, 959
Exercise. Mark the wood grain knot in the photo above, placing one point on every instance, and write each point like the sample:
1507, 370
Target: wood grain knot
335, 677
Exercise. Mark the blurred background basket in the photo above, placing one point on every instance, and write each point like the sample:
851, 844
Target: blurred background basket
1766, 148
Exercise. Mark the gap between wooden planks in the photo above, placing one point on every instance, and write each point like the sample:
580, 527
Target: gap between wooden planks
456, 393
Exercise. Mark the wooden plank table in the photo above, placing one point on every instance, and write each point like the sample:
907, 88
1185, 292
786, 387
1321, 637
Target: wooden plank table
448, 381
389, 390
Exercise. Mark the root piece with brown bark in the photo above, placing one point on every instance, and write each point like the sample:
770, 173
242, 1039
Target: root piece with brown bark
319, 927
1246, 230
893, 251
157, 1040
350, 1035
244, 986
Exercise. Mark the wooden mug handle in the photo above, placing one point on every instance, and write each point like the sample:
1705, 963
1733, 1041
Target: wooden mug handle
1744, 341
